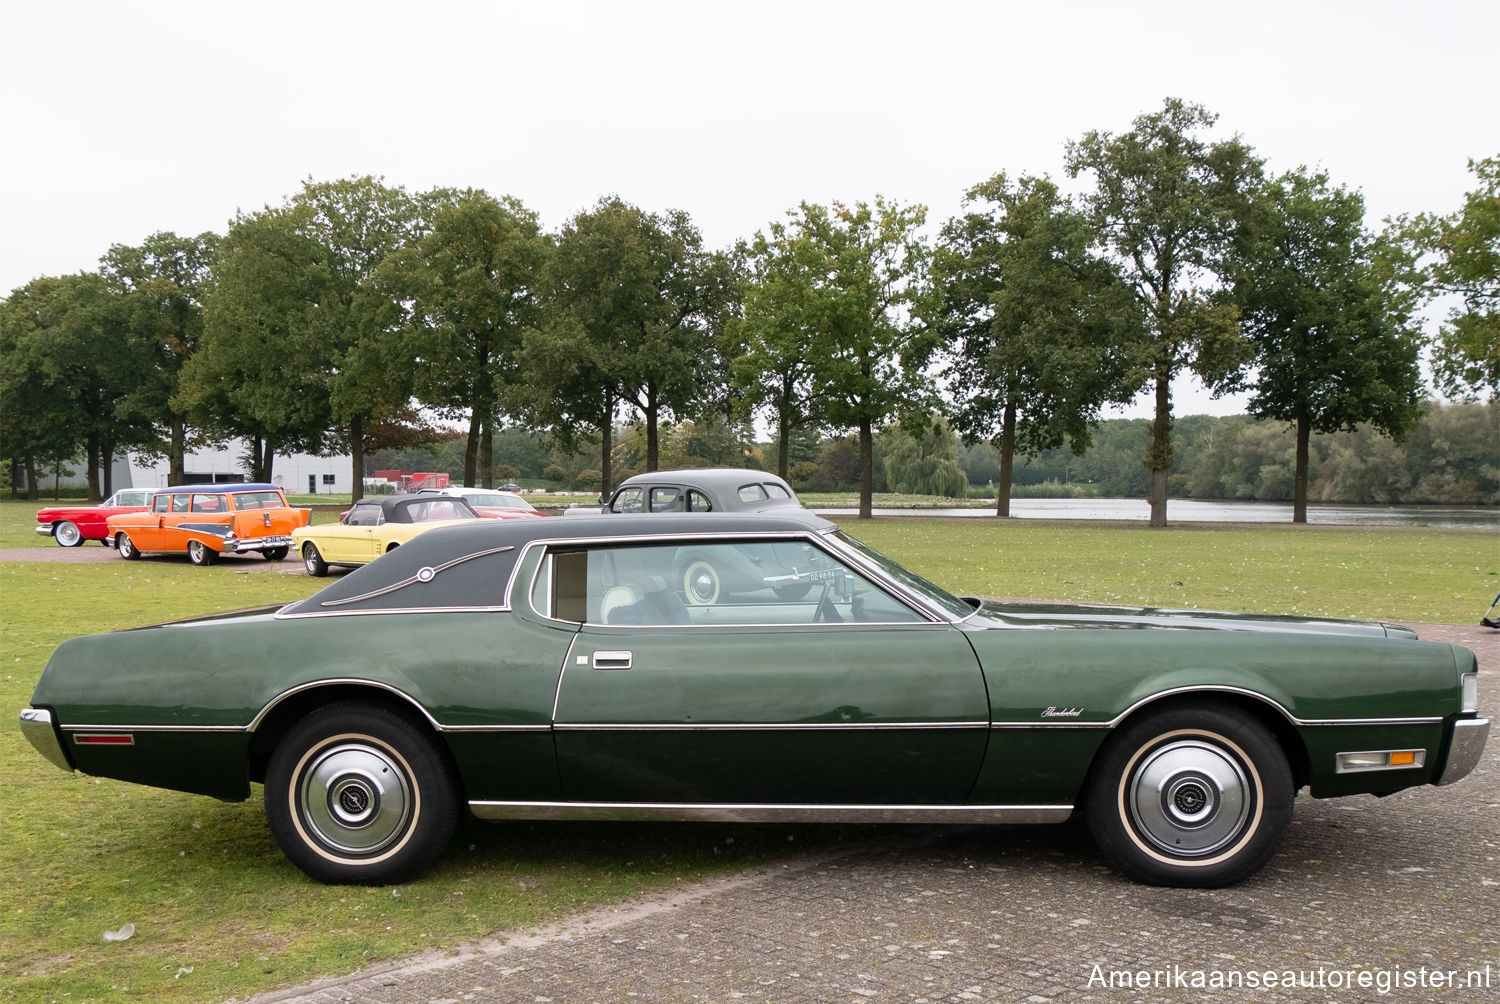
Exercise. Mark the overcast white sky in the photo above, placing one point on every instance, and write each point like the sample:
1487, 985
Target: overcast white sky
126, 118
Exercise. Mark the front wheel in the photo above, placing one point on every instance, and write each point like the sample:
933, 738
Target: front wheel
201, 554
67, 533
126, 547
1194, 797
313, 561
358, 793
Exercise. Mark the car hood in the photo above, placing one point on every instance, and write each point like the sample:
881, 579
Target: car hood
1058, 616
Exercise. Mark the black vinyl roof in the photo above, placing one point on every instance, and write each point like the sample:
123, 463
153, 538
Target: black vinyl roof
469, 564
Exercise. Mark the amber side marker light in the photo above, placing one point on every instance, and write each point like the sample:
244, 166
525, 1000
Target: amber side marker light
1352, 763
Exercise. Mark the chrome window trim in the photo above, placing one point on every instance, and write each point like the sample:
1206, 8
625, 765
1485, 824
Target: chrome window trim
771, 812
876, 576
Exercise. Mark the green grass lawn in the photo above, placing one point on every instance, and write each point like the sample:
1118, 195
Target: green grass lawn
218, 912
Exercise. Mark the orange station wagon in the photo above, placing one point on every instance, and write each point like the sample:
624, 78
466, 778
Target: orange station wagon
210, 520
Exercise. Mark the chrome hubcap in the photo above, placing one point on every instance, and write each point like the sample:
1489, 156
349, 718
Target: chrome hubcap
355, 798
1190, 798
67, 534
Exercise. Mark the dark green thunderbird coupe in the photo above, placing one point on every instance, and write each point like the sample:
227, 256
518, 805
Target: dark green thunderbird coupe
564, 669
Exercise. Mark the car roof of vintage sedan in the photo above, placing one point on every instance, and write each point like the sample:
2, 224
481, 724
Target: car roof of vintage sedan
469, 564
717, 478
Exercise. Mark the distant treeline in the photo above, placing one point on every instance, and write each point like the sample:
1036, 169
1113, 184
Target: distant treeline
1452, 457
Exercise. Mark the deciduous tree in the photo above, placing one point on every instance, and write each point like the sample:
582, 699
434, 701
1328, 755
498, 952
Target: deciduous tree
1167, 203
1039, 334
1331, 322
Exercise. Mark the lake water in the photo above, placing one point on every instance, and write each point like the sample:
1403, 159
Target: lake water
1197, 511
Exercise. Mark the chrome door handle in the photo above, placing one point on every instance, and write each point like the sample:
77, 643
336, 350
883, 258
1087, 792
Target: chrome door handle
611, 660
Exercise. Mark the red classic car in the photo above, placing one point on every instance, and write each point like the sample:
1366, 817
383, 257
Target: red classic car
70, 526
209, 520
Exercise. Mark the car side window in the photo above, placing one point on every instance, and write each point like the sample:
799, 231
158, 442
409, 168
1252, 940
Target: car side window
208, 503
628, 500
752, 493
698, 502
162, 503
181, 503
666, 500
744, 583
363, 515
777, 492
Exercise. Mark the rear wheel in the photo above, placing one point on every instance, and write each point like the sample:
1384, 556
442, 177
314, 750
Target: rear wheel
275, 553
126, 547
313, 561
200, 553
358, 793
67, 533
1193, 796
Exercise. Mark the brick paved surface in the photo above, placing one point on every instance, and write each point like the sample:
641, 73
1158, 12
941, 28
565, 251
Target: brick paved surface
1382, 886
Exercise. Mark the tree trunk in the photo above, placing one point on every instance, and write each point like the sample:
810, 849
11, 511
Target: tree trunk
866, 469
487, 452
1299, 480
783, 444
653, 410
357, 456
33, 489
607, 445
1159, 455
107, 466
1007, 460
93, 473
471, 449
176, 459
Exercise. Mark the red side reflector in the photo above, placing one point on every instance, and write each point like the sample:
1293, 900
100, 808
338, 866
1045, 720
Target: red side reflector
115, 739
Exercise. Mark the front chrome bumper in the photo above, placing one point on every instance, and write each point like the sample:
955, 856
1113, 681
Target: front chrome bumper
1469, 735
45, 529
36, 726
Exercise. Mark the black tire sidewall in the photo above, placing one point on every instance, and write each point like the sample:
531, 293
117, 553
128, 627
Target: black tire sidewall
429, 773
1240, 736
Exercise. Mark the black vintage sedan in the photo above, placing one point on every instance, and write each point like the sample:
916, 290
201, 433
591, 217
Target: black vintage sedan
562, 669
704, 489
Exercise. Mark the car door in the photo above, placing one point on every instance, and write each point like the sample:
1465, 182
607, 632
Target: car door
843, 696
354, 541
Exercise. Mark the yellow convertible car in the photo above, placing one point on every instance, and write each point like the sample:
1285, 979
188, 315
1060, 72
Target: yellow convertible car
373, 527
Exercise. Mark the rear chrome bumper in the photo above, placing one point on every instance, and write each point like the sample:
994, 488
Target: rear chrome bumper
36, 726
235, 545
1467, 746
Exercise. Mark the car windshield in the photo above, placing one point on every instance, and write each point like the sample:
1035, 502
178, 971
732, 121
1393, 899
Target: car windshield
936, 596
497, 501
